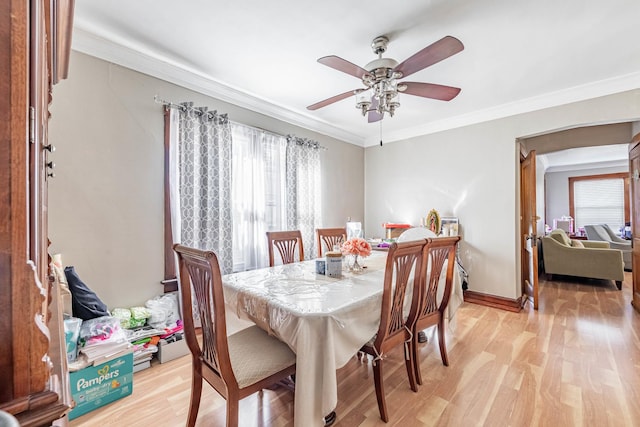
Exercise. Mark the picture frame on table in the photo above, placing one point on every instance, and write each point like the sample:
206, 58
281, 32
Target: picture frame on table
449, 226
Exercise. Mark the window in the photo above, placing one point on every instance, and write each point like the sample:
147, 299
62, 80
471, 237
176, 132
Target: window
227, 184
258, 191
599, 199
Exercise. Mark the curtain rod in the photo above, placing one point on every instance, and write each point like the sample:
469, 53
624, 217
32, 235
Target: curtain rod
220, 118
169, 104
298, 140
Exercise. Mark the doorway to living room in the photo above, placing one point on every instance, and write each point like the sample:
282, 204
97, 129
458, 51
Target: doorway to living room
564, 154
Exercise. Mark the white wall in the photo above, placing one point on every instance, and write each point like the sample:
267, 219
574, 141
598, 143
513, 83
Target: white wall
471, 173
557, 189
106, 202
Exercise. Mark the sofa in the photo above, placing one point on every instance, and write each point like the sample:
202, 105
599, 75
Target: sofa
602, 232
581, 258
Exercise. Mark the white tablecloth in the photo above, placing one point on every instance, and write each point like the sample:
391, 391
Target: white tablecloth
324, 320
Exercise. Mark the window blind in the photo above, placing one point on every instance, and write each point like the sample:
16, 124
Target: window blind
599, 201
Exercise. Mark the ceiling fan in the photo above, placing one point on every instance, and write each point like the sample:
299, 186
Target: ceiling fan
380, 78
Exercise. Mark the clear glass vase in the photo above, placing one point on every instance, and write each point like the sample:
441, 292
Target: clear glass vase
354, 264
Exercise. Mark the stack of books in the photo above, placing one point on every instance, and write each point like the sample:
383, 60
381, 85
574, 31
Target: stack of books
102, 352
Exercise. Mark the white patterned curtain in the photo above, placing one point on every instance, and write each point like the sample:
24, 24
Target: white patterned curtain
303, 190
258, 188
200, 181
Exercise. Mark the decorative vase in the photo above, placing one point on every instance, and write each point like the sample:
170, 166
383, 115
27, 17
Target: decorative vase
354, 265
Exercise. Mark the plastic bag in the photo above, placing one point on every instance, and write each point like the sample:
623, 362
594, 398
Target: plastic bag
133, 317
164, 311
123, 314
101, 330
139, 313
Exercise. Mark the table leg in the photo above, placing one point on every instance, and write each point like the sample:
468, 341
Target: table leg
422, 337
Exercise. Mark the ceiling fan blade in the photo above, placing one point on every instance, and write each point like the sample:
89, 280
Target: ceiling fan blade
430, 90
436, 52
343, 65
373, 115
334, 99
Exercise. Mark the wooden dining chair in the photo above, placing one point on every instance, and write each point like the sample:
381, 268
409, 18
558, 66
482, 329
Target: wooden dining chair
425, 310
235, 366
286, 242
330, 237
404, 261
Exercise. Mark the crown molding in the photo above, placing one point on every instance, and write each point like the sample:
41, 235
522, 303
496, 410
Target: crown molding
163, 68
542, 160
624, 163
118, 52
553, 99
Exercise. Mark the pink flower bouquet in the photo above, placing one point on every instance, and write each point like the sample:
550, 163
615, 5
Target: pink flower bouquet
356, 246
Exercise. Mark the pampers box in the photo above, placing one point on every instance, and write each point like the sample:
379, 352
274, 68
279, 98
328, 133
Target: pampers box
95, 386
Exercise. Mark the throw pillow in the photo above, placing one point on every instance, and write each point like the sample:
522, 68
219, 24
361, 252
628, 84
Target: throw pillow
85, 304
577, 244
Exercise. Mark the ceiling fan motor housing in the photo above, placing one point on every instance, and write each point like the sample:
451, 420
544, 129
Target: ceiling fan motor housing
379, 69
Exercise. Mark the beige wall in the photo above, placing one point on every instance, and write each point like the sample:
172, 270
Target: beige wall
106, 201
105, 205
472, 173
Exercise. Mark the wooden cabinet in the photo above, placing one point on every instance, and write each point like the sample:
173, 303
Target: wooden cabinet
634, 189
34, 52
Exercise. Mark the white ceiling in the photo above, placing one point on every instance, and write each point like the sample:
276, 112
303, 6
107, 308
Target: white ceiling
616, 155
519, 56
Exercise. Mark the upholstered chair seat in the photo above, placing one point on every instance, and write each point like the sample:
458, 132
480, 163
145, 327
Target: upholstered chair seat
255, 355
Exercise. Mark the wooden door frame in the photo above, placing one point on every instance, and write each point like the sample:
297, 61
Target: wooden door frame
521, 242
634, 146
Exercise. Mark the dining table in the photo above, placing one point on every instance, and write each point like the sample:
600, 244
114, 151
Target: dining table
324, 320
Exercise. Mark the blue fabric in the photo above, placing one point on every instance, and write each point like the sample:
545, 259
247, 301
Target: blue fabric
85, 304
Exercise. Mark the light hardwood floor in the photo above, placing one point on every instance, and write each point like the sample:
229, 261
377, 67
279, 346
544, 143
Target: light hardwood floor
575, 362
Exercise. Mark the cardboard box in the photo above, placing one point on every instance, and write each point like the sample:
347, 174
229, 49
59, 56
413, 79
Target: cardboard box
95, 386
173, 350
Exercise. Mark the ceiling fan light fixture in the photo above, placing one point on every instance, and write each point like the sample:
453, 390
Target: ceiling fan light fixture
380, 77
390, 87
364, 107
392, 106
363, 101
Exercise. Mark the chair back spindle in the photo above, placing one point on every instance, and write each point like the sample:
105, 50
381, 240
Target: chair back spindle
287, 243
437, 256
329, 237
